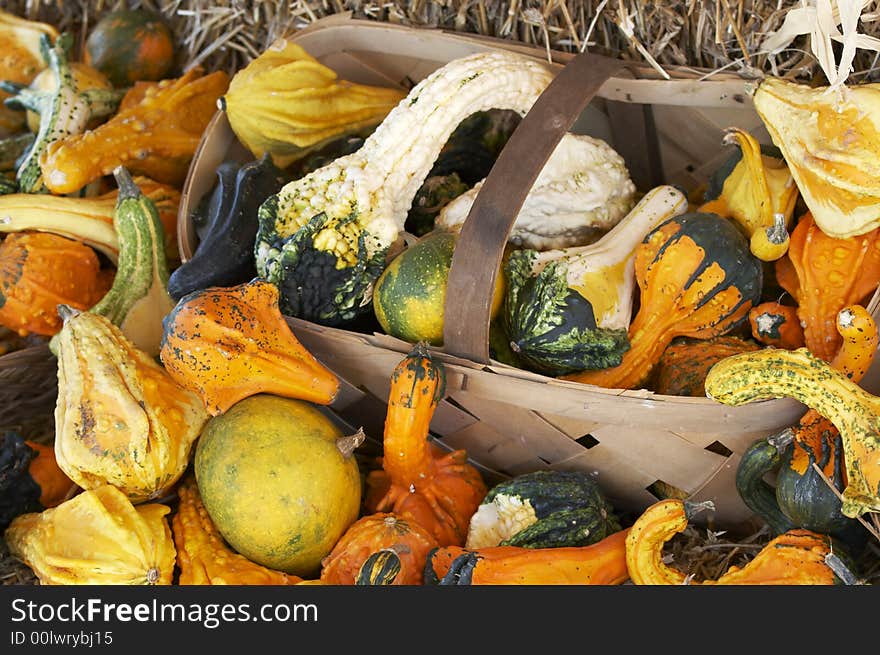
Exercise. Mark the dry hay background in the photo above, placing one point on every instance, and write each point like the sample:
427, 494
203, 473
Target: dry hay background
705, 35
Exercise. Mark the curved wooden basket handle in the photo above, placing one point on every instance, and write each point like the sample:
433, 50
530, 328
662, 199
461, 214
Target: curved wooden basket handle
480, 246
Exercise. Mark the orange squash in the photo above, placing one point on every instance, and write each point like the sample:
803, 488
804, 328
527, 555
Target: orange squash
776, 325
228, 343
38, 272
419, 481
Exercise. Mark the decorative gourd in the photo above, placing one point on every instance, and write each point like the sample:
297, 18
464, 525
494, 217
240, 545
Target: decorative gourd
225, 344
776, 325
89, 220
684, 364
569, 310
203, 556
775, 373
583, 189
30, 479
543, 509
756, 189
828, 140
85, 78
64, 110
420, 482
227, 228
120, 419
138, 300
39, 271
602, 563
824, 274
377, 533
20, 62
96, 538
697, 279
797, 557
168, 124
380, 568
324, 238
286, 104
130, 45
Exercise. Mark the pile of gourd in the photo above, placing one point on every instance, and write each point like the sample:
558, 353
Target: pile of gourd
192, 442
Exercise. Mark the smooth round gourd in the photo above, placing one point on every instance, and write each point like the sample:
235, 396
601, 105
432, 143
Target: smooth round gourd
131, 45
275, 483
410, 295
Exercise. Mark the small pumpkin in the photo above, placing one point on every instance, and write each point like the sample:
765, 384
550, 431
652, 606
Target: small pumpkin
96, 538
38, 272
128, 45
167, 123
375, 533
697, 279
601, 563
120, 419
226, 344
685, 362
846, 270
419, 481
203, 556
777, 325
797, 557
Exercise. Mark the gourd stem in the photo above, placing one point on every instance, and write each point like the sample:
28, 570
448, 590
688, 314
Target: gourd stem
841, 570
66, 312
692, 509
348, 444
776, 233
781, 440
127, 188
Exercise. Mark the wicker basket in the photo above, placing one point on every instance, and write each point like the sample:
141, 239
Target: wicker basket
509, 420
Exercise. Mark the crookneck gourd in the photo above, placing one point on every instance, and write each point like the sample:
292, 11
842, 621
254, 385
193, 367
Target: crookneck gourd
776, 373
30, 479
324, 238
138, 300
226, 224
202, 554
89, 220
228, 343
167, 123
697, 279
684, 364
96, 538
419, 481
583, 189
824, 274
22, 60
285, 103
64, 111
120, 418
374, 533
829, 141
797, 557
776, 325
601, 563
37, 272
756, 189
569, 310
543, 509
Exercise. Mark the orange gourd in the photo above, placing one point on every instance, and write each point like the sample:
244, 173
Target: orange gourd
824, 274
419, 481
228, 343
776, 325
40, 271
797, 557
373, 533
602, 563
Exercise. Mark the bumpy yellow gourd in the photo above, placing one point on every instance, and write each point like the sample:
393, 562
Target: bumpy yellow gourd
120, 419
97, 537
286, 103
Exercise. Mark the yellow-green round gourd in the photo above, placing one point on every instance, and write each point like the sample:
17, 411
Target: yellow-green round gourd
279, 480
410, 295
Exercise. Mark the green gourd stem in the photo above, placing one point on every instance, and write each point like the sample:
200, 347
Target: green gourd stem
798, 374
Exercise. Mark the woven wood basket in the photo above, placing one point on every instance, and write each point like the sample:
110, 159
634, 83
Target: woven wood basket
512, 421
